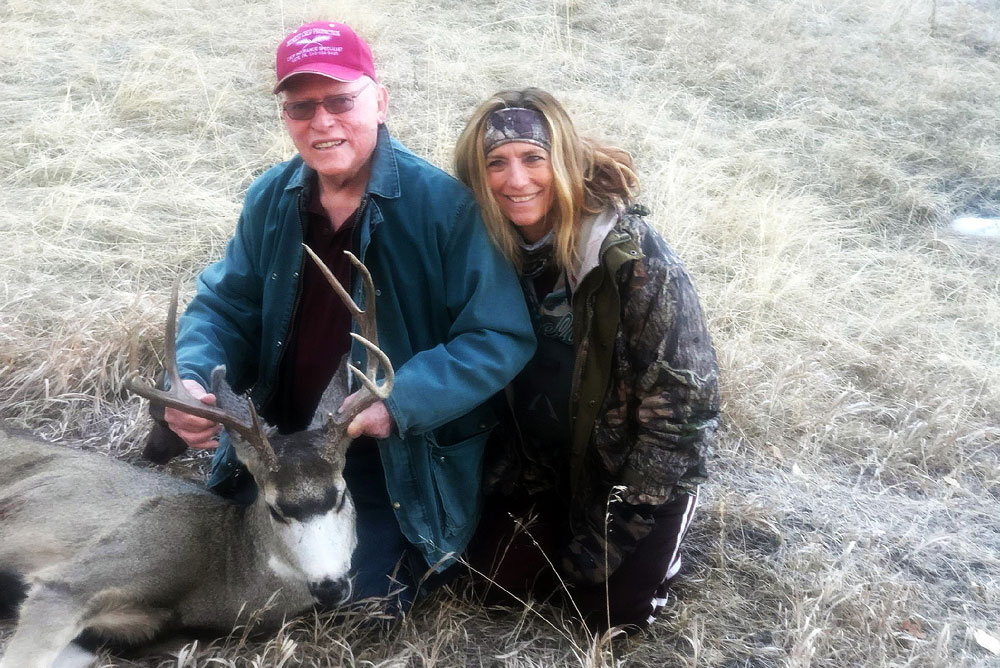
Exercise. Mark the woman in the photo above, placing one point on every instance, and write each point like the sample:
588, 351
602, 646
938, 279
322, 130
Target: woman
592, 486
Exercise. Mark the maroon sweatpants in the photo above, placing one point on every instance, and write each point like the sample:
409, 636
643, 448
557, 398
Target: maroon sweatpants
516, 552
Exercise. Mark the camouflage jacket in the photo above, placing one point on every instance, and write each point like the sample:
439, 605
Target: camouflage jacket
644, 398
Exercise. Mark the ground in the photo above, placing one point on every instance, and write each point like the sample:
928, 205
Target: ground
804, 157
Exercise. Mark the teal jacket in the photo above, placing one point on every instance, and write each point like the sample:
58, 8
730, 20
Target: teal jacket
451, 318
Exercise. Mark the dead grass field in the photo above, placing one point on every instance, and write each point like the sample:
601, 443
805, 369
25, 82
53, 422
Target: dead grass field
804, 157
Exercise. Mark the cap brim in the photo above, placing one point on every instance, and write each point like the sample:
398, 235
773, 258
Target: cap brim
334, 72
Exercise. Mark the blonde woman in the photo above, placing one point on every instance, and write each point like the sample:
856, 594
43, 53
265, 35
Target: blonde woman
613, 418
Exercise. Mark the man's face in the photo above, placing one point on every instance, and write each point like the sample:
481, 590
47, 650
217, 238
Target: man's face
338, 146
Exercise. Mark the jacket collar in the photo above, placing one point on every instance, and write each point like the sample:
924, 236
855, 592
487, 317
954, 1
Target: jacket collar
384, 179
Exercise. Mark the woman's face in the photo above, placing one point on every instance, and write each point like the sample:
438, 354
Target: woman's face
520, 176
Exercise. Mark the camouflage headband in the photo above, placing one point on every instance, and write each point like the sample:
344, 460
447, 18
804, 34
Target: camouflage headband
511, 124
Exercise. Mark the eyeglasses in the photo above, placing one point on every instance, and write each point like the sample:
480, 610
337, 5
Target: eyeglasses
334, 104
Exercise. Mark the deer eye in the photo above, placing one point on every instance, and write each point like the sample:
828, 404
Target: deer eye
277, 518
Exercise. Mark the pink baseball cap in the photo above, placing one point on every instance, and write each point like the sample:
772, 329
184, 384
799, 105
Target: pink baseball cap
325, 47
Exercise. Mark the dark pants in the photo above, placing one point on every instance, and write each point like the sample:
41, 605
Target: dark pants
383, 562
516, 552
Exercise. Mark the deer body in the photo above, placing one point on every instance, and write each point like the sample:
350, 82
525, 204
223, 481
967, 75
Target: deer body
144, 553
129, 553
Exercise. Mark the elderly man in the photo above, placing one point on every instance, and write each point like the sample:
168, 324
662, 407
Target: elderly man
450, 313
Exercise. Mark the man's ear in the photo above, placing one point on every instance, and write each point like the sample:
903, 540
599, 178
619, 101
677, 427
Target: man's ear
383, 103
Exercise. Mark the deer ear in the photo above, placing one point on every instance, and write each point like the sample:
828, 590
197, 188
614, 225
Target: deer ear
227, 399
256, 457
333, 395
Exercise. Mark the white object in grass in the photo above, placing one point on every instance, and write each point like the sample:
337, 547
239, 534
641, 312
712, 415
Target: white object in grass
987, 641
977, 227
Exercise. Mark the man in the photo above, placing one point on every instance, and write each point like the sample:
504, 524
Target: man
450, 313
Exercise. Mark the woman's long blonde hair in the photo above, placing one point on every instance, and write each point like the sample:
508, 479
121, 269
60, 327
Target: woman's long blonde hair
587, 176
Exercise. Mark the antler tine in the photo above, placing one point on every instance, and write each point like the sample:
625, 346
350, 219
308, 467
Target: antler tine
368, 337
170, 336
334, 283
179, 398
366, 319
379, 391
256, 438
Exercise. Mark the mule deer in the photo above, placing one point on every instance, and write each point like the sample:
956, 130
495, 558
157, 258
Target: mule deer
127, 554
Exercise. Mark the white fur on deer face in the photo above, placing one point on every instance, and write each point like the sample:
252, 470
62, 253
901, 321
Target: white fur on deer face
314, 518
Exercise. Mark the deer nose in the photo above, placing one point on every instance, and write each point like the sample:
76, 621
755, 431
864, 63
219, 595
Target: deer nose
330, 592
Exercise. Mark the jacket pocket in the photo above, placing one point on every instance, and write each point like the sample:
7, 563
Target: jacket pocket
457, 471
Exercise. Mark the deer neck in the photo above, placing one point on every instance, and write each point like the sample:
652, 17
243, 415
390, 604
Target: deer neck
251, 535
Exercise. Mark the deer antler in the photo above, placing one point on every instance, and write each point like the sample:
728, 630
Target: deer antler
177, 397
368, 338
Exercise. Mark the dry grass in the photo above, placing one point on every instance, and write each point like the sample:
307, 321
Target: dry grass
803, 156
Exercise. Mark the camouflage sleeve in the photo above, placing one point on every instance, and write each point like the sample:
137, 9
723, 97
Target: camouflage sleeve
674, 378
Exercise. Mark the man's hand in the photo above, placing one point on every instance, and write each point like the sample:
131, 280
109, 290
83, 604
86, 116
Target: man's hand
373, 421
197, 432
